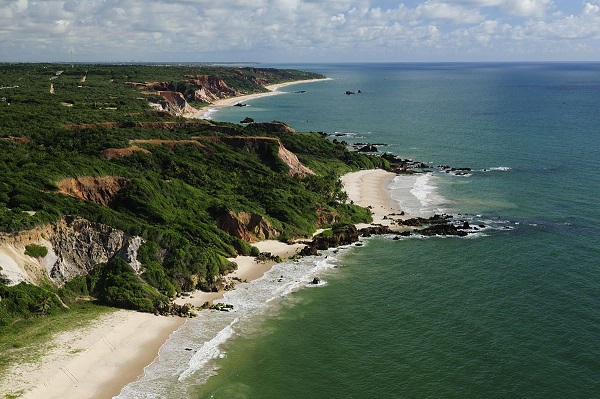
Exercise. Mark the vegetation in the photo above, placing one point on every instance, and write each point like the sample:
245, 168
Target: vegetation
36, 251
176, 188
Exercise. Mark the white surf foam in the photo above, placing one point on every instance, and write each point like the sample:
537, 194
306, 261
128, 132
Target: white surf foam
417, 195
188, 357
498, 168
209, 350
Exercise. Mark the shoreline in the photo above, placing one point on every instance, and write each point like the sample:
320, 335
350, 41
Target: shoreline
99, 361
206, 111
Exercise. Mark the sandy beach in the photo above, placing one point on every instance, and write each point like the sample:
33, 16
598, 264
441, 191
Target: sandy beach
98, 361
204, 113
369, 189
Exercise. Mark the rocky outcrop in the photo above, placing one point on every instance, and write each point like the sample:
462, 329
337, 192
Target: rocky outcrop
291, 160
80, 245
250, 227
204, 88
100, 190
175, 103
75, 246
211, 88
341, 235
326, 217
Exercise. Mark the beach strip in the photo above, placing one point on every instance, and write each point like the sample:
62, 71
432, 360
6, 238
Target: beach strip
98, 361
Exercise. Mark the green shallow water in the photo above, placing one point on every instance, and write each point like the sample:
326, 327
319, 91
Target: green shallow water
513, 312
426, 318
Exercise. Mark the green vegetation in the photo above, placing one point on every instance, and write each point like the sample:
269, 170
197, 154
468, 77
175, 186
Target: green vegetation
36, 251
175, 191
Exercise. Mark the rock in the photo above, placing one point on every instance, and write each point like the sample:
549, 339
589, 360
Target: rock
368, 148
315, 281
80, 245
250, 227
341, 235
247, 120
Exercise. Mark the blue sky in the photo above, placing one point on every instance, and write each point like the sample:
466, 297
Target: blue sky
299, 30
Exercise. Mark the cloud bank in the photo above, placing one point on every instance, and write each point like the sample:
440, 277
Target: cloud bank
298, 30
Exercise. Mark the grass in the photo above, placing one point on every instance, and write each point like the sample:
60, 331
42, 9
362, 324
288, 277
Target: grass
26, 341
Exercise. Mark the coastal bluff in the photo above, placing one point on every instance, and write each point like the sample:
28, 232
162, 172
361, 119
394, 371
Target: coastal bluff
74, 247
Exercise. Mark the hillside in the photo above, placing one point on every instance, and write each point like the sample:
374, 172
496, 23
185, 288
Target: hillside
104, 196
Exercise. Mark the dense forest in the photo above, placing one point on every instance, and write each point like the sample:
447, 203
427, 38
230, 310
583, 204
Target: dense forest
176, 177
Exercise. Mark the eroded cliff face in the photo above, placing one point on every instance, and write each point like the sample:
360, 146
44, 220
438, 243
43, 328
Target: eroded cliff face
211, 88
291, 160
248, 226
204, 88
175, 103
75, 246
100, 190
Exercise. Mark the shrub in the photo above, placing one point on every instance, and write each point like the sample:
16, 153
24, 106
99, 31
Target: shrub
36, 251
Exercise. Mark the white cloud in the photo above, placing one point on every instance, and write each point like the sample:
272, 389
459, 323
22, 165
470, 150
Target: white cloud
444, 10
272, 29
521, 8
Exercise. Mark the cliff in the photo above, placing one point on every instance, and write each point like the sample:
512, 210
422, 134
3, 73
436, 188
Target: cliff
249, 227
100, 190
75, 246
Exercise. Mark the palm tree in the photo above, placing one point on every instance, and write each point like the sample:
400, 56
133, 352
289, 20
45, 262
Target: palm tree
44, 306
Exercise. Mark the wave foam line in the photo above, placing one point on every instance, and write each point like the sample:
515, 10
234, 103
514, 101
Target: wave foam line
209, 350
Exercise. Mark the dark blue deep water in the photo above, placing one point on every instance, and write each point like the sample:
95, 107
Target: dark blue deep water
513, 312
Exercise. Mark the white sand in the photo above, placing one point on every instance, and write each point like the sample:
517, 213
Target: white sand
94, 362
369, 189
97, 362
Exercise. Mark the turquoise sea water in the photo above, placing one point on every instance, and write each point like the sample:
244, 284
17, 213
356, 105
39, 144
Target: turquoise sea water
513, 312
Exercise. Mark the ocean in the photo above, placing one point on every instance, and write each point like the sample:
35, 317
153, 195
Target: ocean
510, 312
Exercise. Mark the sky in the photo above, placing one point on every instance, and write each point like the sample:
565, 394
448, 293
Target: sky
295, 31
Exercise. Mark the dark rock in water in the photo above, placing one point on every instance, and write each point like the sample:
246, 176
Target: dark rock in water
368, 148
442, 230
341, 235
247, 120
239, 105
309, 250
435, 219
315, 281
359, 92
300, 91
348, 92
